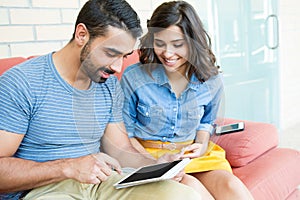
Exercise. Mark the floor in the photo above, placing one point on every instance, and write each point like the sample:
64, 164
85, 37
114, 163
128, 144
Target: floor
290, 137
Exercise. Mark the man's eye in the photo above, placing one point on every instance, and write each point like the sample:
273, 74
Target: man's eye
110, 54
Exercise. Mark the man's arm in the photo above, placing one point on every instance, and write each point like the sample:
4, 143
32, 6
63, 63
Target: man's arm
115, 142
19, 174
137, 145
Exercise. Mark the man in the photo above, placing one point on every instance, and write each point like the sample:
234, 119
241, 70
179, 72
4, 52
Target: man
59, 109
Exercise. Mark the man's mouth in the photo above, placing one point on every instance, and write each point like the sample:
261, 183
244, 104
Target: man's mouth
105, 73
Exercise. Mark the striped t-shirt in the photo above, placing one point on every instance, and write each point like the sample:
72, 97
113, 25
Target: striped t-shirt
57, 120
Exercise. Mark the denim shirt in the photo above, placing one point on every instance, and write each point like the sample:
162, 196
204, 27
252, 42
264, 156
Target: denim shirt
152, 112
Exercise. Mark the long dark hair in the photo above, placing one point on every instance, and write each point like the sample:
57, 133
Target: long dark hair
97, 15
201, 59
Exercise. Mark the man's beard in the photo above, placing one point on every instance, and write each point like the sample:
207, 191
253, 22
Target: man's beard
89, 68
95, 75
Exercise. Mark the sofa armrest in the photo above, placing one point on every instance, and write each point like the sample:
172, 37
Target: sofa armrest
244, 146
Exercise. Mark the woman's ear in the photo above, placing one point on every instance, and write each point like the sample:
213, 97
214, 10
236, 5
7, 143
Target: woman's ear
81, 34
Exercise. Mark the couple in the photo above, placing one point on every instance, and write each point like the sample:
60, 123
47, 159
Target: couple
62, 130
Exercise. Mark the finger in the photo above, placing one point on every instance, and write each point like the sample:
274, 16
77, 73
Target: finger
114, 165
95, 180
178, 179
180, 174
110, 162
191, 155
102, 176
192, 147
118, 170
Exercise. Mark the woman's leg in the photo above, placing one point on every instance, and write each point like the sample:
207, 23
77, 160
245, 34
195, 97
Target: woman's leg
224, 185
197, 185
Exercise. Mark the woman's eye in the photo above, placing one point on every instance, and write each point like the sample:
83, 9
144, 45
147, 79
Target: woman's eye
159, 44
178, 45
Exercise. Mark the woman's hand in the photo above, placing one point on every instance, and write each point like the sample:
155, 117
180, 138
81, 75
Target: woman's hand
194, 150
179, 176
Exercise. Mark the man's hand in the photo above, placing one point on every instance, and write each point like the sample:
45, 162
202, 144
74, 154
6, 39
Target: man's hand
92, 169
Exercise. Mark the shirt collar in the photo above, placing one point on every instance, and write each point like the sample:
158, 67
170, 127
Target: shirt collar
161, 78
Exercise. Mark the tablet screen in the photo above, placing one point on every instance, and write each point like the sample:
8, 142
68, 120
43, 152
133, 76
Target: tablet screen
149, 172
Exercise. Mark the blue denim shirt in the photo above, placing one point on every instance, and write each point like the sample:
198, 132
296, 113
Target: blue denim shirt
152, 112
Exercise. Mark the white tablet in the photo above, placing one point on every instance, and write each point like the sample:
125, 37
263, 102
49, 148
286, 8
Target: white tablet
152, 173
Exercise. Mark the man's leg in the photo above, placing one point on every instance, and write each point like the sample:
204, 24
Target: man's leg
163, 190
70, 189
64, 190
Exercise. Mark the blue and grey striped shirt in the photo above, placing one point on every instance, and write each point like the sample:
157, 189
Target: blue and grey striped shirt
57, 120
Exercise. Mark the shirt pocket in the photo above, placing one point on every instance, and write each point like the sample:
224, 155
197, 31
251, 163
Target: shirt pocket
192, 119
150, 116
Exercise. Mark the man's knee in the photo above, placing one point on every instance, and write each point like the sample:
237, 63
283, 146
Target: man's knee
169, 189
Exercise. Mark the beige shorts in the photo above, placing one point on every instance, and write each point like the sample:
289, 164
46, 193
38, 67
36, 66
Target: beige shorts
71, 189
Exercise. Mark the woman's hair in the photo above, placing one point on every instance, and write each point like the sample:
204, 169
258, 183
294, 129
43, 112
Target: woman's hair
97, 15
200, 60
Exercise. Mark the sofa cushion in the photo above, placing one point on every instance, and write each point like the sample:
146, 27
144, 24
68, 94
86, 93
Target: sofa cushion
244, 146
6, 63
295, 195
274, 175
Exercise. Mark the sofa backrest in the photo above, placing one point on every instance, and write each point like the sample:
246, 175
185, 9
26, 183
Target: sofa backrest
6, 63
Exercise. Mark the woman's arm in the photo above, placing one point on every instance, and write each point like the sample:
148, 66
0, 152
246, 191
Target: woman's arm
202, 138
199, 147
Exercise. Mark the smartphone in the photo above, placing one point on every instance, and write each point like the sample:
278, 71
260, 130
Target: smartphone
229, 128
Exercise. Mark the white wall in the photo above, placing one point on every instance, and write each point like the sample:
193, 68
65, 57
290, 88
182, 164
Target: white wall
289, 37
34, 27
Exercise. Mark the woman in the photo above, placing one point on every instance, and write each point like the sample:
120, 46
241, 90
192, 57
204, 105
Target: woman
172, 97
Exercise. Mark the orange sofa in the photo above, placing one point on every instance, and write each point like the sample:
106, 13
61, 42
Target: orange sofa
269, 172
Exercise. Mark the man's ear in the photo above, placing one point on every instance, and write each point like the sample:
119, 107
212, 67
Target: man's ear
81, 34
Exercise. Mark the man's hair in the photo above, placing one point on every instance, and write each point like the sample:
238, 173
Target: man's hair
98, 15
201, 60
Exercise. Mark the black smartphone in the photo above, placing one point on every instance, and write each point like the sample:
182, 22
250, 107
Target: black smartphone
229, 128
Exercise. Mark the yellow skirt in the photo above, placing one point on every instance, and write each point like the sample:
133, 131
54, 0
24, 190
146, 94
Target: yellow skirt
213, 159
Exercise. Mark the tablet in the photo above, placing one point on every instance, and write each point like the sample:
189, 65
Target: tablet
152, 173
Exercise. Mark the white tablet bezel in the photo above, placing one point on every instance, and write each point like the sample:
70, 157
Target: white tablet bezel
167, 175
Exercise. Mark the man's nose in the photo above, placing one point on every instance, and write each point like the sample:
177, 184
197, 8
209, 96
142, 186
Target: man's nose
117, 65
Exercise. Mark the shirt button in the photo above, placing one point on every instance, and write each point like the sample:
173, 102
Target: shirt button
164, 138
147, 114
174, 109
172, 127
